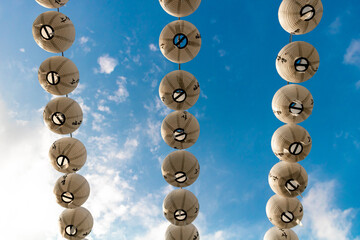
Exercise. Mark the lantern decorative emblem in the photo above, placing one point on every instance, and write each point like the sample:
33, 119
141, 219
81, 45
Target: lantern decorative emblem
296, 63
179, 90
54, 32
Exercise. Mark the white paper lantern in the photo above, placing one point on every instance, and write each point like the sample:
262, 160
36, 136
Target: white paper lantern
291, 143
71, 190
180, 8
179, 90
181, 207
292, 104
188, 232
53, 31
300, 16
63, 115
180, 129
52, 3
297, 62
288, 179
75, 223
180, 41
284, 212
180, 168
58, 75
276, 233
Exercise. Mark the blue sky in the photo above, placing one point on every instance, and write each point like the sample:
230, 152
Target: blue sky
116, 51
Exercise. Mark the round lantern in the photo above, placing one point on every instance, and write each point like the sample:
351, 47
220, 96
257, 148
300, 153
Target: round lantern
53, 31
288, 179
276, 233
71, 190
297, 62
58, 75
292, 104
67, 155
300, 16
180, 8
179, 90
180, 41
180, 129
63, 115
52, 3
284, 212
75, 223
181, 207
291, 143
182, 232
180, 168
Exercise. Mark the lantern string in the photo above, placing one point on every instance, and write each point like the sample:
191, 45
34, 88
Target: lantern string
179, 41
62, 54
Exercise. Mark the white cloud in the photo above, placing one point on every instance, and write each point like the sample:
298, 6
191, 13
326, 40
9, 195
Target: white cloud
357, 84
121, 94
107, 64
22, 50
334, 27
222, 52
84, 44
97, 121
128, 150
83, 40
323, 220
352, 55
102, 107
152, 47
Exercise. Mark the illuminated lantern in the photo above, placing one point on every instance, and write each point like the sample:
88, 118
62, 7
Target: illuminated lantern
180, 41
58, 75
180, 8
276, 233
180, 168
188, 232
67, 155
291, 143
63, 115
181, 207
179, 90
292, 103
71, 190
75, 223
300, 16
53, 31
284, 212
180, 129
297, 62
288, 179
52, 3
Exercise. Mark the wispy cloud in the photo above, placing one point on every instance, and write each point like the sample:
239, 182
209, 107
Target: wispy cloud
84, 43
352, 55
121, 94
335, 26
22, 50
107, 64
152, 47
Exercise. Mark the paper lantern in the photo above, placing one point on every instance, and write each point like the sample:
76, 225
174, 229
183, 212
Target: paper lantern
297, 62
67, 155
300, 16
180, 129
71, 190
288, 179
180, 168
276, 233
58, 75
292, 104
291, 143
53, 31
63, 115
180, 8
284, 212
181, 207
179, 90
180, 41
52, 3
188, 232
75, 223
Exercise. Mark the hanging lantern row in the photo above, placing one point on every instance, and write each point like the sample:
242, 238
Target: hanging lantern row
180, 42
296, 63
54, 32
